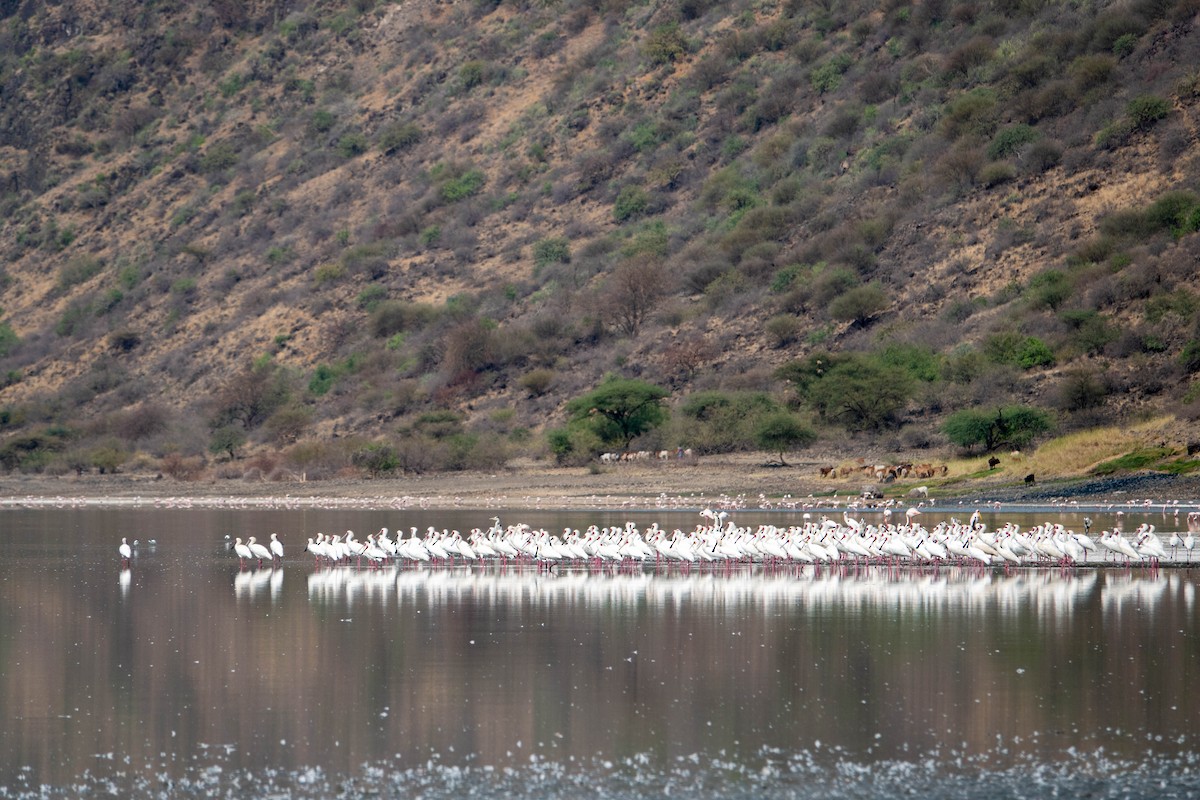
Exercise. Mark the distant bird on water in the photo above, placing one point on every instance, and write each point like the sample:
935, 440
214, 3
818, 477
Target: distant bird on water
125, 551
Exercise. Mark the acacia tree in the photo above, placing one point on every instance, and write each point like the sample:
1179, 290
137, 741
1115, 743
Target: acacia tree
619, 410
782, 431
1010, 426
861, 393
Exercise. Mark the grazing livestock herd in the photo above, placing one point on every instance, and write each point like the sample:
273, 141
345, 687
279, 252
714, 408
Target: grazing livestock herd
677, 454
885, 473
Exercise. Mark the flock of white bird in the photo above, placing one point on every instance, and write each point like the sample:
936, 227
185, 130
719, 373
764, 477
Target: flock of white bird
721, 541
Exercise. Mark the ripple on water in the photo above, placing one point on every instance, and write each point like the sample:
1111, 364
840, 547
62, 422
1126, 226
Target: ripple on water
771, 774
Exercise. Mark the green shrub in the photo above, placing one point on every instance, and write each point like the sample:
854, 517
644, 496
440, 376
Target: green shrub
328, 273
370, 298
1113, 135
377, 458
721, 421
631, 201
666, 44
73, 318
784, 278
1008, 141
227, 439
1034, 353
827, 77
463, 186
1173, 211
8, 339
232, 85
430, 236
860, 305
398, 136
352, 144
397, 317
1124, 45
996, 173
917, 361
1049, 289
537, 382
1189, 357
322, 121
218, 157
471, 74
783, 329
551, 250
1145, 111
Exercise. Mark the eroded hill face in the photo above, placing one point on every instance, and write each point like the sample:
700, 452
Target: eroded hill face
298, 227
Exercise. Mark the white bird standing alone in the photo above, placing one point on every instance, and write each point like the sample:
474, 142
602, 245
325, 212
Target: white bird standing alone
125, 551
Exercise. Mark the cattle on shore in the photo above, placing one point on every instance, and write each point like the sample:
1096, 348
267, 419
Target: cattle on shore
884, 473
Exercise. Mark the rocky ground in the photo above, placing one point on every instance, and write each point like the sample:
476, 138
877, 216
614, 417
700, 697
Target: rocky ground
734, 480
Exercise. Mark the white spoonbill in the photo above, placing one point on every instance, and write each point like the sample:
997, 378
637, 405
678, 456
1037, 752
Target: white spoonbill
242, 551
258, 551
125, 551
276, 548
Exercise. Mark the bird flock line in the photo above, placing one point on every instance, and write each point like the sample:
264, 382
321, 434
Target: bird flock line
719, 540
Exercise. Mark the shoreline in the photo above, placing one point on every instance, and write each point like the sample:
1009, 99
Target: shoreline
734, 482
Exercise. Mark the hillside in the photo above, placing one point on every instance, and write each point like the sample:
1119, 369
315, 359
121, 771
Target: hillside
322, 238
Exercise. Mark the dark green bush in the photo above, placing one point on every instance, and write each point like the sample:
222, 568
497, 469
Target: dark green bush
377, 458
1049, 289
665, 44
463, 186
783, 329
860, 305
631, 201
398, 136
1145, 111
352, 144
1010, 426
1008, 141
396, 317
551, 250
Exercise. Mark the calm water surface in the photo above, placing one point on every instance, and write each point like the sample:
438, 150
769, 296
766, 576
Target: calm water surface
184, 676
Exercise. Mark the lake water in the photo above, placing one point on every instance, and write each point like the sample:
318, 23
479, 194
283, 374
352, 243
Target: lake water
184, 676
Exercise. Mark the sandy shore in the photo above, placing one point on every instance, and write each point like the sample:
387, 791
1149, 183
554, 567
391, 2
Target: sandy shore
737, 481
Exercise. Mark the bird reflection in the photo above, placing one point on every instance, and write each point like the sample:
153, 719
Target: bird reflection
125, 580
1048, 594
252, 584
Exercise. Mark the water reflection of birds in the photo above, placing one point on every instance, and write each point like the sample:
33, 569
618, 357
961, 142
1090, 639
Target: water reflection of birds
1046, 594
125, 580
248, 584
